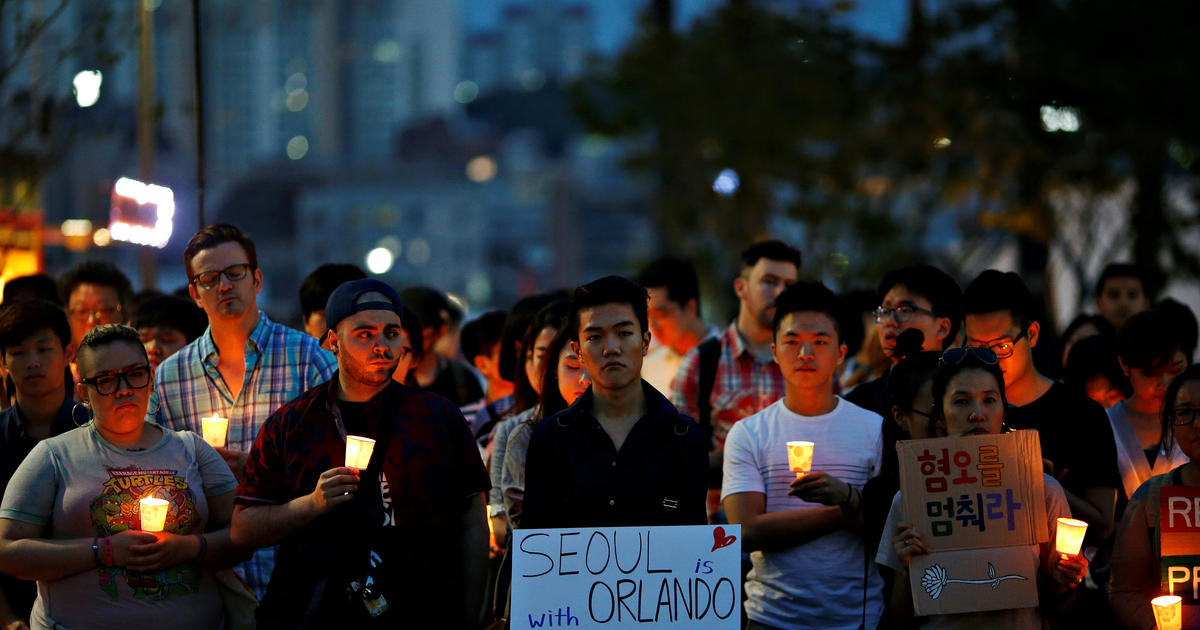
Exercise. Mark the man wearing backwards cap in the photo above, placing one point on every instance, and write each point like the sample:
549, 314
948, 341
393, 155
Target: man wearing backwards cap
401, 542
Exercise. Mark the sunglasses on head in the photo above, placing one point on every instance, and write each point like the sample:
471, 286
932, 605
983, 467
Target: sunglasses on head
954, 356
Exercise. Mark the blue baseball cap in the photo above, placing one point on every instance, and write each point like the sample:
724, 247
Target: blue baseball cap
354, 297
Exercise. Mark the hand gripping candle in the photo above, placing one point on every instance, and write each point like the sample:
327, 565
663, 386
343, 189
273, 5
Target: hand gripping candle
1069, 538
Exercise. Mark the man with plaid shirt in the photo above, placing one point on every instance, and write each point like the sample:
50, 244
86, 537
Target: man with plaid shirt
743, 378
243, 367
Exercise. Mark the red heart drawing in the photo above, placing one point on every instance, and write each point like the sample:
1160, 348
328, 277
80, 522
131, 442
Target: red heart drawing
720, 539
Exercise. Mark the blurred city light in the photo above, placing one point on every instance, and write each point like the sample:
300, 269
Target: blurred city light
1059, 119
102, 237
87, 87
465, 92
387, 51
481, 169
418, 251
941, 143
533, 79
379, 260
390, 243
727, 182
295, 82
297, 147
76, 227
141, 213
297, 100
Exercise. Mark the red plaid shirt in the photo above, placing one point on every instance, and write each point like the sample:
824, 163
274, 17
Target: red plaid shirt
743, 386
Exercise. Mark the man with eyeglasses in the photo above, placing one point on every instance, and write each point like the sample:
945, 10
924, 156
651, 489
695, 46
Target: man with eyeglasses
1077, 440
242, 368
733, 375
95, 292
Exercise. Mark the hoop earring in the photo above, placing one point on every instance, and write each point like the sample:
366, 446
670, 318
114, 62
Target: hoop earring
87, 413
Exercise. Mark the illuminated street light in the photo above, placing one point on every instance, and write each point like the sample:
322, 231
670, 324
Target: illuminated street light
379, 260
87, 87
141, 213
726, 183
1059, 119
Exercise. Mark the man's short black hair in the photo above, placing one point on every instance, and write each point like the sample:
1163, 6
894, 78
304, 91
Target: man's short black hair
676, 275
212, 236
1091, 357
316, 287
480, 335
771, 250
807, 296
609, 290
19, 319
169, 311
1183, 322
97, 272
1124, 270
429, 304
995, 291
934, 285
1150, 339
38, 286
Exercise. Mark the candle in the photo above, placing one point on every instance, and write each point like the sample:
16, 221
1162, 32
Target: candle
1069, 538
154, 514
1168, 611
214, 429
800, 456
358, 451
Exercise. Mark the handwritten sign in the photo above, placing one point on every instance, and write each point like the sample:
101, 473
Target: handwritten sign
627, 577
979, 504
1179, 511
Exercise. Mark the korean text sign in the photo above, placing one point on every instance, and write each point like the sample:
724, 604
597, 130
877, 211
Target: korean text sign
978, 503
1180, 551
627, 577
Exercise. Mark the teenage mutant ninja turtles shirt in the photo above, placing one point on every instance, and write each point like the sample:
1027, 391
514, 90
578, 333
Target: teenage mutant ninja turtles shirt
78, 485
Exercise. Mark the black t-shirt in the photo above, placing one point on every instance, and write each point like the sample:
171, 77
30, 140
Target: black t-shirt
1075, 435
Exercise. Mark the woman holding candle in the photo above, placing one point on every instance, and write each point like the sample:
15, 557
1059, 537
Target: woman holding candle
968, 395
1136, 561
71, 519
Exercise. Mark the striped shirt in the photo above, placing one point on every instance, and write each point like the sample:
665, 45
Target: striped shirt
281, 364
743, 386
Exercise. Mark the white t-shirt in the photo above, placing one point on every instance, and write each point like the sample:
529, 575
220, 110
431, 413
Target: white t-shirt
822, 583
1016, 618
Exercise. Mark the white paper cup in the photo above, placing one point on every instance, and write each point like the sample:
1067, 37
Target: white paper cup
214, 429
800, 456
1168, 612
1068, 539
358, 451
154, 514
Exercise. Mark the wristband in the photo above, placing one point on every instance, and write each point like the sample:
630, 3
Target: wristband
108, 555
96, 551
203, 546
849, 498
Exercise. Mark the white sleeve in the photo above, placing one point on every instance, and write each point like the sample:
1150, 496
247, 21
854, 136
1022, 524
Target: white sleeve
741, 471
886, 555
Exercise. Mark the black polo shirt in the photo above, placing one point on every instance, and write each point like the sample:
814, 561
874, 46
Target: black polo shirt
15, 444
575, 477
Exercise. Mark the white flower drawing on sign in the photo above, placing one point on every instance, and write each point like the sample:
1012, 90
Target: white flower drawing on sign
935, 579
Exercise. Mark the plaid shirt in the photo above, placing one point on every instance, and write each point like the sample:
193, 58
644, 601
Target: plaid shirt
281, 364
742, 387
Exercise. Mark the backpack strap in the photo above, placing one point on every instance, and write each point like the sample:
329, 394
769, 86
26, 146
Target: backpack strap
709, 354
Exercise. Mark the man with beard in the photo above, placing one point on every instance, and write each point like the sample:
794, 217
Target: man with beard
242, 368
733, 375
351, 552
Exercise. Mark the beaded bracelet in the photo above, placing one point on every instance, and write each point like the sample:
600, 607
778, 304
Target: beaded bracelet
96, 551
108, 554
203, 546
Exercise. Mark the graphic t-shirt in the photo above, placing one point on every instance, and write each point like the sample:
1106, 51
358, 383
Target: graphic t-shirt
822, 583
78, 485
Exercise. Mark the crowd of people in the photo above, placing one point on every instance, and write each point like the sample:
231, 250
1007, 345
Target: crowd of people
612, 404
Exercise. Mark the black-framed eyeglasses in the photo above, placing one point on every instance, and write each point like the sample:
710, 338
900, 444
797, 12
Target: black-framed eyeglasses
100, 314
954, 356
1004, 349
1184, 416
209, 279
903, 313
136, 377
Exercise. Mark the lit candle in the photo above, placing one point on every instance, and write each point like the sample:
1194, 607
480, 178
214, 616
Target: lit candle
214, 429
1168, 612
1069, 538
154, 514
800, 456
358, 451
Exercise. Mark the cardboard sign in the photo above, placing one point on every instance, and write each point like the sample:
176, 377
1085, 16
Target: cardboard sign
1180, 552
978, 503
627, 577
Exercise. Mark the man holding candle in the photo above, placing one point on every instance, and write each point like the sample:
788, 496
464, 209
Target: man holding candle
351, 552
809, 569
242, 368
